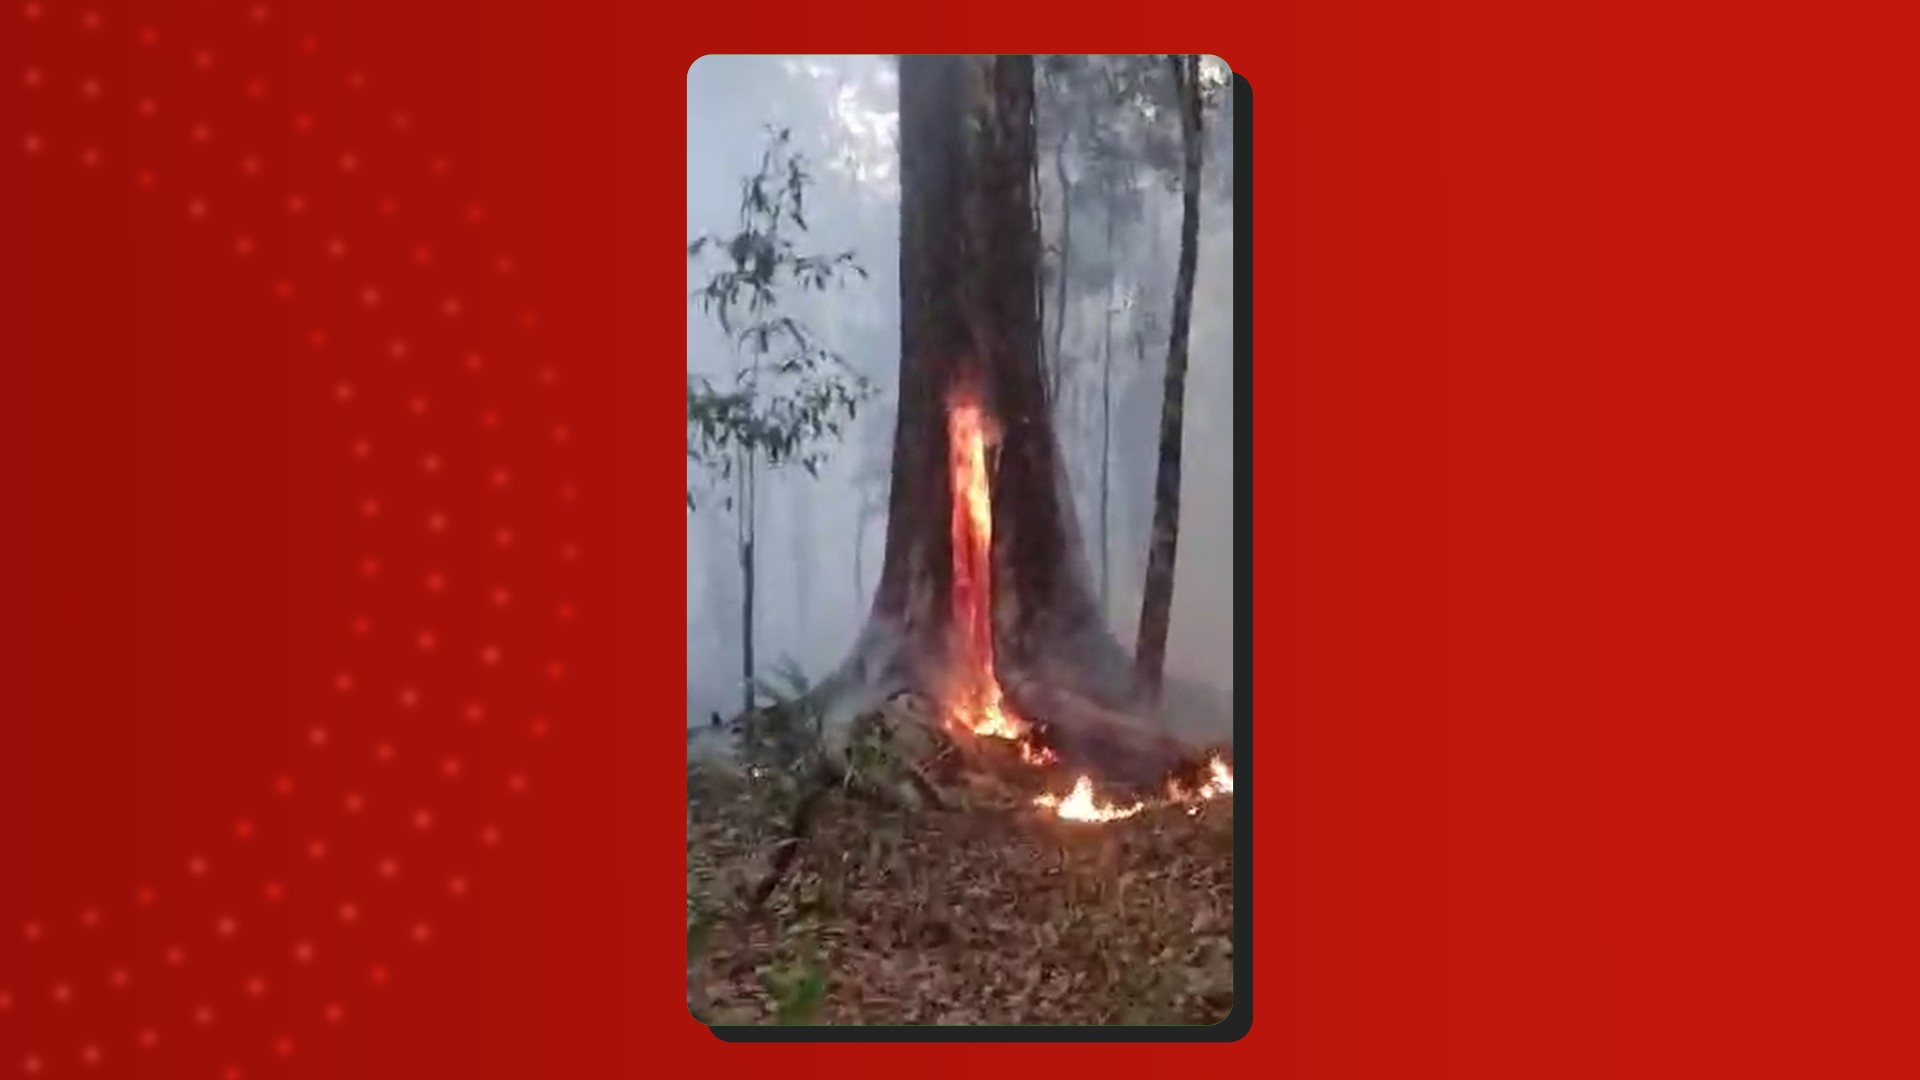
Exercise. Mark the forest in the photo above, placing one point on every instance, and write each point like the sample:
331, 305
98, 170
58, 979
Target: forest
959, 501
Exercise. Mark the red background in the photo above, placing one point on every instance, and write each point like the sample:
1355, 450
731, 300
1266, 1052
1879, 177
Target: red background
1583, 589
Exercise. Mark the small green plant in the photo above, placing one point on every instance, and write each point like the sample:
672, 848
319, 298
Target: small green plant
700, 924
788, 684
782, 732
791, 399
797, 987
791, 395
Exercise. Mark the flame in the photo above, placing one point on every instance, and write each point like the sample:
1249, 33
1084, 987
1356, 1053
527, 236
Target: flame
1219, 779
977, 704
1081, 805
1219, 782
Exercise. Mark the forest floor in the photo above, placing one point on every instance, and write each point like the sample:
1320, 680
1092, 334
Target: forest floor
956, 916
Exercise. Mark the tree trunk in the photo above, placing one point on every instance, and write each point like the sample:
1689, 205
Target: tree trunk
746, 624
800, 521
746, 582
1106, 418
1156, 603
859, 549
969, 262
1059, 359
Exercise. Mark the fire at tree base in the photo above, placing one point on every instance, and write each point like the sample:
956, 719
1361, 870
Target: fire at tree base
922, 861
977, 910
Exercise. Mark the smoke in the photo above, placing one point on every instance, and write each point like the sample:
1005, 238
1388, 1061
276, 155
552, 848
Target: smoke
820, 540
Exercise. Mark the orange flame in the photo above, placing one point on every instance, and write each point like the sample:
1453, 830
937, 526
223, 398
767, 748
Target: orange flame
978, 705
1222, 776
1081, 804
975, 702
1219, 781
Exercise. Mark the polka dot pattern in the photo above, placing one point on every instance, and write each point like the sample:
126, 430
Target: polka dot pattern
374, 830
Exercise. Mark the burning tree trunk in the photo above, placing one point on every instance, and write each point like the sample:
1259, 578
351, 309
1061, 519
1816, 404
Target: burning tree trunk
983, 602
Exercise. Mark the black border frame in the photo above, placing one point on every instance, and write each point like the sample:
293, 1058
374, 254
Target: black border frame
1239, 1019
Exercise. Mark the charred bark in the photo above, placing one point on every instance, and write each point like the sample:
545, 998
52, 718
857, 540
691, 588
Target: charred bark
970, 319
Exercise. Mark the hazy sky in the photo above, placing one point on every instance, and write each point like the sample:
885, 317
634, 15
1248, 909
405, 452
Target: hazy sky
843, 114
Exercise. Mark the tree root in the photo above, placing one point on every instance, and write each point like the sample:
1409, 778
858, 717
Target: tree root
827, 778
899, 754
1119, 747
784, 851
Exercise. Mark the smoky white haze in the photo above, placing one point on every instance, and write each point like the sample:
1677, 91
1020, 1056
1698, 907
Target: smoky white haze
820, 541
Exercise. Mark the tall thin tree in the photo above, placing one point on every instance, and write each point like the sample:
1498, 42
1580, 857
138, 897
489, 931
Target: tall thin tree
790, 395
1156, 603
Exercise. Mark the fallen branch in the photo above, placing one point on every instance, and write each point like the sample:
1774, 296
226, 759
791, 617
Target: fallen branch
829, 776
787, 847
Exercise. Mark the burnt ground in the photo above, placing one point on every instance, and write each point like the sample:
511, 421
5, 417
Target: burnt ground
984, 915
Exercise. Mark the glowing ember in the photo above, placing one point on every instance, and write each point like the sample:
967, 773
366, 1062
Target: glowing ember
1081, 805
976, 704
